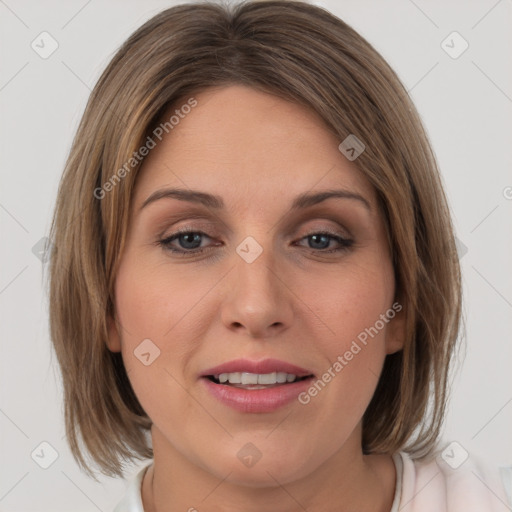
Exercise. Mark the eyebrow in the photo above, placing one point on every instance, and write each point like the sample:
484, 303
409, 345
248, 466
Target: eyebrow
302, 201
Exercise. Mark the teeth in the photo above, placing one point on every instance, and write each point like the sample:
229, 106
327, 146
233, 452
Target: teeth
267, 378
281, 377
245, 378
249, 378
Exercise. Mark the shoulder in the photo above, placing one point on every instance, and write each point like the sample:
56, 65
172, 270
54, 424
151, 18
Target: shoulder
453, 480
132, 500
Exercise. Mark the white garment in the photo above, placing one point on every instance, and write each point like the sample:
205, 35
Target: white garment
421, 486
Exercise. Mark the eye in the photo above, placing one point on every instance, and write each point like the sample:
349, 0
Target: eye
189, 242
320, 241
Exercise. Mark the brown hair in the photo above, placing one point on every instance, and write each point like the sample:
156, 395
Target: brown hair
299, 52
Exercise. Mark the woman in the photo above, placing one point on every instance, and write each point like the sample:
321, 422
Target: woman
255, 264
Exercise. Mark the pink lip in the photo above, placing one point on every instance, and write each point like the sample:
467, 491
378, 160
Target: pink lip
263, 366
256, 400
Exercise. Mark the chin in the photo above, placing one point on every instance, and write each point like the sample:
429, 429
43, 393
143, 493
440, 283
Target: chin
247, 470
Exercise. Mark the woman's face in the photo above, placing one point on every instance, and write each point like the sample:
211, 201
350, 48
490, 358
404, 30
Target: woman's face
291, 281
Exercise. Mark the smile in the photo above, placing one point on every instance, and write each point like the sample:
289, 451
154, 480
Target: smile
247, 380
250, 386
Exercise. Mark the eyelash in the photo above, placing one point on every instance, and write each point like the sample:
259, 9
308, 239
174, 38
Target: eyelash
345, 243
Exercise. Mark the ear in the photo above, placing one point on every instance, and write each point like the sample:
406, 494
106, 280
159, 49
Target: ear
114, 340
396, 328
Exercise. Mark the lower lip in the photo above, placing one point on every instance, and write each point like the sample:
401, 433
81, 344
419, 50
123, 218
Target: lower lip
257, 400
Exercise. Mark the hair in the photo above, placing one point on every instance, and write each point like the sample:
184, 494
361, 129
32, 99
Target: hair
301, 53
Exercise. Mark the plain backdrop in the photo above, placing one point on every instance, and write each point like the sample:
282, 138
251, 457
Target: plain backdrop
466, 106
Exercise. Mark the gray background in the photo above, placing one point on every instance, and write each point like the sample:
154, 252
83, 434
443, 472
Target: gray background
466, 105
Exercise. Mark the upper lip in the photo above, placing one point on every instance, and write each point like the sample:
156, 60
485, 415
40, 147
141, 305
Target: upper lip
262, 366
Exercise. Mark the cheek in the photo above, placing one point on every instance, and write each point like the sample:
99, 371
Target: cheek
162, 320
152, 301
352, 301
154, 350
355, 309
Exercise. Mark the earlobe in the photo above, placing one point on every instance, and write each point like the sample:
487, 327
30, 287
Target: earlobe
395, 332
113, 341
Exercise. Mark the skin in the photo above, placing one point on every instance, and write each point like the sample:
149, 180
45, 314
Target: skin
294, 302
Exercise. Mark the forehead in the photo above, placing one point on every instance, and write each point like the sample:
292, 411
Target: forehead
247, 146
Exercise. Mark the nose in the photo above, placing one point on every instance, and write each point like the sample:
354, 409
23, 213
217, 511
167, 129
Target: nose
258, 298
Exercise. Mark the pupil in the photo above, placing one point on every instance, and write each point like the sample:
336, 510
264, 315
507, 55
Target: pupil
188, 238
316, 238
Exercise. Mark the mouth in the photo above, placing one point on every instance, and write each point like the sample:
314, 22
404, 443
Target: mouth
251, 386
246, 380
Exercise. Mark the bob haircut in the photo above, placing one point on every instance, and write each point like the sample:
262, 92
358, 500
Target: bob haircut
301, 53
